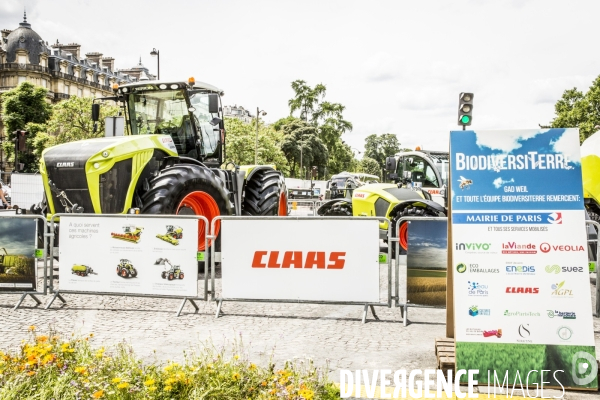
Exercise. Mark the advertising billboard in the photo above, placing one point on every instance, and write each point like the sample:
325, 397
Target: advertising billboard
521, 285
18, 240
285, 259
135, 255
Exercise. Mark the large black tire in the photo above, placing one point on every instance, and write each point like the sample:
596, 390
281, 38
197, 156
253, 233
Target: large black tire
173, 184
263, 193
341, 209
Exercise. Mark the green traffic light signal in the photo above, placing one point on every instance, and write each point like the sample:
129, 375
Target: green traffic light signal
465, 119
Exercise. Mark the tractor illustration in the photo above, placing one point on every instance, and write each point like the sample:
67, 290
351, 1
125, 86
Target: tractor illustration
125, 269
82, 270
174, 233
173, 272
131, 233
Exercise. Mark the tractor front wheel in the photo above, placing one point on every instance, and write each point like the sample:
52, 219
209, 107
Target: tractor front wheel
265, 194
188, 189
171, 276
133, 272
163, 275
124, 273
181, 275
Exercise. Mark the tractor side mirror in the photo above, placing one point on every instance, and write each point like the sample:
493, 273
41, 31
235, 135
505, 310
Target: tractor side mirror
390, 164
95, 112
213, 103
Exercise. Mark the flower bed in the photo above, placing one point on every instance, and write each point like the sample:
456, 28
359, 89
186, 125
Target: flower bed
51, 367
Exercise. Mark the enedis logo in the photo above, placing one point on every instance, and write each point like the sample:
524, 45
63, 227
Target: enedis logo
520, 269
297, 259
547, 247
555, 269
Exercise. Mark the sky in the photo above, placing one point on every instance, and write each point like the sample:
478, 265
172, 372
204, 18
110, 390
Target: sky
427, 245
397, 66
17, 236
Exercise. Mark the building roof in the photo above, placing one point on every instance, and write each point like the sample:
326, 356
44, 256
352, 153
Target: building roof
27, 39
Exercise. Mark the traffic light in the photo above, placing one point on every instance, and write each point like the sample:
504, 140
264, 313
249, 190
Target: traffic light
465, 109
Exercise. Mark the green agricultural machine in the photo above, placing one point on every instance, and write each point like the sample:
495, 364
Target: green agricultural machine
169, 159
173, 234
174, 271
82, 270
125, 269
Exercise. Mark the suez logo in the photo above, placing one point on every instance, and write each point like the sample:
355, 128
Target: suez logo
546, 247
524, 290
69, 164
557, 269
299, 259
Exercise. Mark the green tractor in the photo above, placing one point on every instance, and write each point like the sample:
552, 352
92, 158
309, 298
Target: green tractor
408, 196
169, 159
125, 269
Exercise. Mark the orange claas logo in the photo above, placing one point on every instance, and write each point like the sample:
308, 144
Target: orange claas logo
299, 259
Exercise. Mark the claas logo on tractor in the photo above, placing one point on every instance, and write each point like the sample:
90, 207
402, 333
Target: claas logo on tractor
297, 259
174, 233
131, 233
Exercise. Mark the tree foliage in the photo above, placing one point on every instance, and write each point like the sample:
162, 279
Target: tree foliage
302, 145
241, 140
576, 109
71, 121
378, 147
306, 99
370, 166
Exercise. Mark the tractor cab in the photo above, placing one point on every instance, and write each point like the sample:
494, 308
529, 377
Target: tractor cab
189, 112
425, 169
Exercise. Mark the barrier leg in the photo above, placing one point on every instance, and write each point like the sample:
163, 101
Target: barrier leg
183, 304
405, 315
219, 303
20, 301
373, 311
364, 317
56, 295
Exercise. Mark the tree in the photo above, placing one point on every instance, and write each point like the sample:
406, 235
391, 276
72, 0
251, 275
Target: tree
241, 139
370, 166
578, 110
302, 145
71, 121
21, 106
378, 147
306, 98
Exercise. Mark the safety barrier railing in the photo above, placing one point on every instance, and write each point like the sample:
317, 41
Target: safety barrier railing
224, 256
396, 243
9, 230
171, 219
295, 205
597, 225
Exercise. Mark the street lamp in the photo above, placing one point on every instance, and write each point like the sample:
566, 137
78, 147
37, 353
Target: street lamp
258, 114
156, 53
357, 150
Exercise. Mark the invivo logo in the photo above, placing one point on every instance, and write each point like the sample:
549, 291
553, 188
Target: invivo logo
473, 246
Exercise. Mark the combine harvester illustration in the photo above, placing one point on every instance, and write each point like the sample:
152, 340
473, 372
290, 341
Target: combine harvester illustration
131, 233
174, 233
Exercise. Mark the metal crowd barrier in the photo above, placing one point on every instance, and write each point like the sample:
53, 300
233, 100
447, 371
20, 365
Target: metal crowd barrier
597, 225
58, 293
367, 306
44, 256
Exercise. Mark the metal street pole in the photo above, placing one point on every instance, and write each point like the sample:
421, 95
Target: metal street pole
256, 141
156, 53
301, 161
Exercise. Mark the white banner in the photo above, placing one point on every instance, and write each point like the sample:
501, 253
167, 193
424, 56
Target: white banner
313, 260
137, 255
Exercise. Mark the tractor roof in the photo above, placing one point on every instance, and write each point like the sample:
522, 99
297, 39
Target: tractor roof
155, 84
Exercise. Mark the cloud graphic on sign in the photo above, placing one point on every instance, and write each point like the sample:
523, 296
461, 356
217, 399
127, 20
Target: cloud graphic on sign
506, 141
498, 182
568, 146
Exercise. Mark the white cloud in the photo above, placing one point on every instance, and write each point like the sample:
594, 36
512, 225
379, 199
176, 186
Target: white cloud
505, 141
568, 145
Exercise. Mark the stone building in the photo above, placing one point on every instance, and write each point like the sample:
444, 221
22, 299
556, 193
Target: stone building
60, 68
238, 112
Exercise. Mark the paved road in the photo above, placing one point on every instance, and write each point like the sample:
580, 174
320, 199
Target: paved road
325, 333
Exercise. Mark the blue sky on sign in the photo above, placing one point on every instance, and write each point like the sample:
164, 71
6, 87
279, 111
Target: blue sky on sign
397, 66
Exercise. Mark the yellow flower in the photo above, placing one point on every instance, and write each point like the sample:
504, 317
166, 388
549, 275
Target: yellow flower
252, 367
116, 380
41, 339
100, 353
80, 370
30, 373
306, 393
152, 388
263, 383
235, 376
236, 357
91, 335
98, 394
171, 366
32, 328
168, 388
123, 385
149, 382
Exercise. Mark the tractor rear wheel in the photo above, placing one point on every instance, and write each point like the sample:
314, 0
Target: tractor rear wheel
339, 210
171, 276
181, 275
133, 272
124, 273
265, 194
188, 189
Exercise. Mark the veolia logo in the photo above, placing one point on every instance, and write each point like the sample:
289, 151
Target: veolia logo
546, 247
473, 246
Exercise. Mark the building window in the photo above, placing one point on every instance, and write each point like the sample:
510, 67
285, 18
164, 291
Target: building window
22, 59
22, 79
44, 83
66, 89
79, 92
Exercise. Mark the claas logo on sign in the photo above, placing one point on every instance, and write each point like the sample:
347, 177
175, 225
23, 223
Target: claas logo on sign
299, 259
